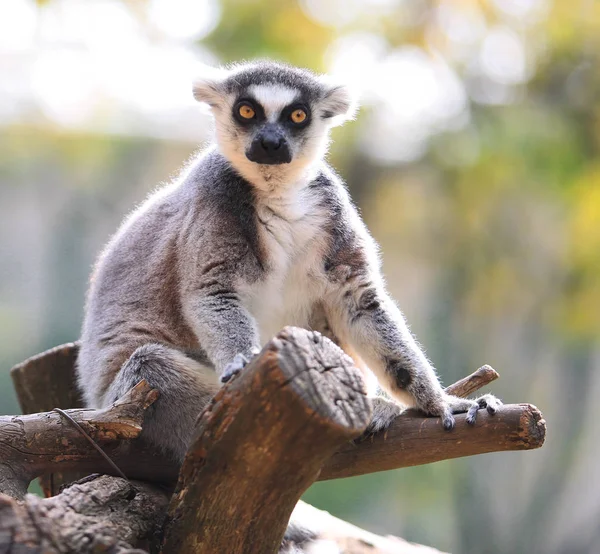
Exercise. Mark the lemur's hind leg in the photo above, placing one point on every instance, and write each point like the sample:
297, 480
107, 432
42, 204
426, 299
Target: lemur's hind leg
318, 322
185, 388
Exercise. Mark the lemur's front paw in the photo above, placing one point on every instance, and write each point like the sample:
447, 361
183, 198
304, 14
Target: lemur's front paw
236, 365
451, 405
384, 412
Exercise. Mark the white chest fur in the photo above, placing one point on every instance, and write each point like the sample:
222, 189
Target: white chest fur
292, 232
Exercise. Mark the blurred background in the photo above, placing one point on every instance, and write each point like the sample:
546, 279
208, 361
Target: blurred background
475, 162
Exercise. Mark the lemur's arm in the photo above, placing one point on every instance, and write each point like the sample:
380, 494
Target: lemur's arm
362, 314
227, 331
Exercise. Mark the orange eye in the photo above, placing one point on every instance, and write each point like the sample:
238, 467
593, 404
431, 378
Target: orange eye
298, 116
246, 111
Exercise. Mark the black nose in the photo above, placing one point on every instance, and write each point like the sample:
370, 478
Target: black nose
271, 142
269, 147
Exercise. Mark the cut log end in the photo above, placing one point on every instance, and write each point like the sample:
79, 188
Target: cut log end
532, 427
270, 429
324, 377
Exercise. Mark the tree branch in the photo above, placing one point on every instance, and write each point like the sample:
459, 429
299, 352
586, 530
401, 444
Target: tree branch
32, 444
411, 440
45, 382
109, 514
472, 383
288, 419
261, 442
415, 440
96, 514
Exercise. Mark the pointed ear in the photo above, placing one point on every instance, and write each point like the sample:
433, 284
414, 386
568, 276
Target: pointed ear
339, 102
208, 85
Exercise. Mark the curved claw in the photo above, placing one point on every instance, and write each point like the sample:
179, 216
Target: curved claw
236, 365
472, 414
448, 421
454, 405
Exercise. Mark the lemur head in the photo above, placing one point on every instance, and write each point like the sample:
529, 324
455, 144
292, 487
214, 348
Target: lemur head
273, 120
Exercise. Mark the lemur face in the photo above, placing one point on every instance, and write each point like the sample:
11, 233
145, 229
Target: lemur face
272, 120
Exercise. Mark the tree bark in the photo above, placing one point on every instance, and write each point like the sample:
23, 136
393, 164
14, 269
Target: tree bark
109, 514
415, 440
96, 514
45, 382
261, 442
472, 383
289, 418
411, 440
30, 445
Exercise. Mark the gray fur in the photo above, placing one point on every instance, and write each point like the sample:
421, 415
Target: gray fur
212, 265
181, 383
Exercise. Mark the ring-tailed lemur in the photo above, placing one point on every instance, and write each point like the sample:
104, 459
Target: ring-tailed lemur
258, 232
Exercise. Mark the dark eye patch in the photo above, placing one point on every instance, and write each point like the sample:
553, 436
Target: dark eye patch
286, 116
259, 112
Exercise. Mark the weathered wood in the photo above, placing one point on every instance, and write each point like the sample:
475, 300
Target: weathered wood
415, 440
349, 539
109, 514
97, 514
261, 442
45, 382
34, 443
472, 383
411, 440
301, 396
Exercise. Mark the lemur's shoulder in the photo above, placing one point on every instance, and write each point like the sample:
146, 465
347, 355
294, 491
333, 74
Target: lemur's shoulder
212, 183
220, 208
328, 177
350, 241
335, 197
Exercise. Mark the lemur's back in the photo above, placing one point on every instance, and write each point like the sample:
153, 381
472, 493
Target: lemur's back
134, 295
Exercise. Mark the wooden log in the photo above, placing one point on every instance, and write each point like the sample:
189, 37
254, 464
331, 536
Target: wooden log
415, 440
472, 383
261, 442
308, 391
411, 440
97, 514
33, 444
109, 514
337, 535
45, 382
